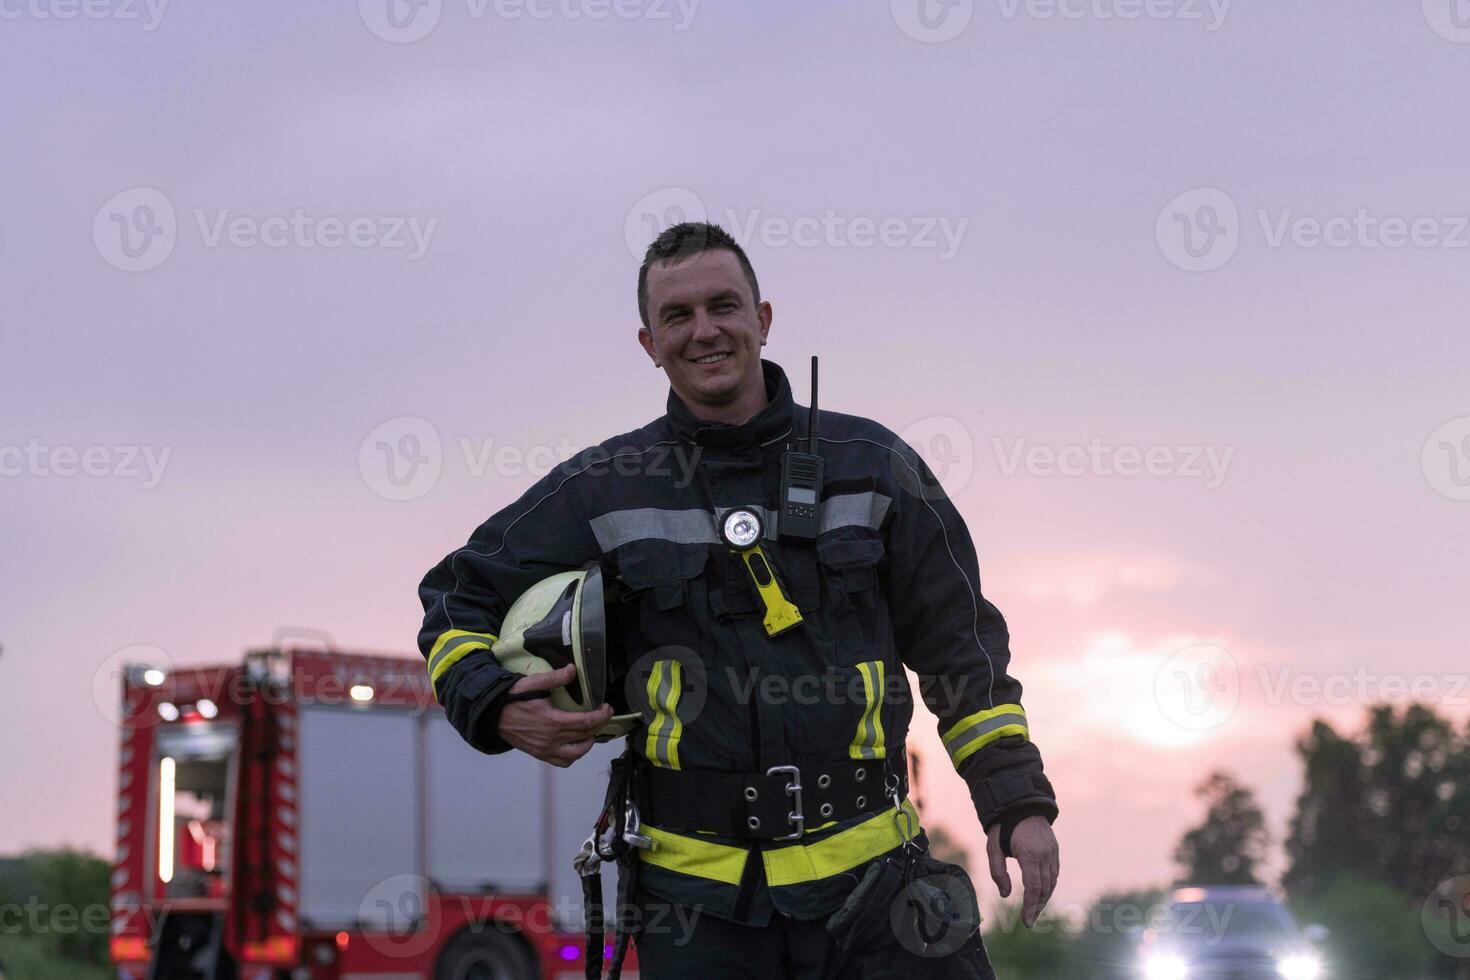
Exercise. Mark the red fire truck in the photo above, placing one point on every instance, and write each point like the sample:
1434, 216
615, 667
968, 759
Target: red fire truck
312, 815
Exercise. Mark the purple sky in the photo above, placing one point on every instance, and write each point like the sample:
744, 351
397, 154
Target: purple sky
1329, 544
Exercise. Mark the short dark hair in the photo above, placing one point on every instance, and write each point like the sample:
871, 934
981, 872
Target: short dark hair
686, 239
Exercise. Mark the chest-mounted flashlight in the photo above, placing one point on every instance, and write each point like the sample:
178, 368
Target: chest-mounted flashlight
742, 531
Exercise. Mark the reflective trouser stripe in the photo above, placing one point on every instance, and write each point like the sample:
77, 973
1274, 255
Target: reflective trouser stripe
841, 852
794, 865
973, 732
664, 685
867, 743
692, 856
451, 648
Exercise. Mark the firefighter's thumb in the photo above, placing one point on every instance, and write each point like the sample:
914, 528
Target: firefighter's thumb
547, 680
998, 872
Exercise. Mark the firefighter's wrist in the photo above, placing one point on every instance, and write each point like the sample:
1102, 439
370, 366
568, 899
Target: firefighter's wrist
998, 794
1011, 819
473, 696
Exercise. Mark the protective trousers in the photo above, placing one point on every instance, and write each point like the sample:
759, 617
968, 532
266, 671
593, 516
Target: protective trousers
682, 944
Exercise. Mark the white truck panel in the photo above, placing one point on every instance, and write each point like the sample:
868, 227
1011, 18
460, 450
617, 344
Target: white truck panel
486, 815
359, 817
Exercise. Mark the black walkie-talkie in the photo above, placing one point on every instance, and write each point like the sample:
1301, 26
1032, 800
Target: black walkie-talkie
801, 482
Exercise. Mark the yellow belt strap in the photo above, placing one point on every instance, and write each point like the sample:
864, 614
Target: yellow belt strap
841, 852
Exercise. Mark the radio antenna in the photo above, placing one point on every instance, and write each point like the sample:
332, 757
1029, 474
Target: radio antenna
811, 422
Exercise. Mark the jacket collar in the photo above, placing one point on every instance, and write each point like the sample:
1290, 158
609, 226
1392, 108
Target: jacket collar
768, 425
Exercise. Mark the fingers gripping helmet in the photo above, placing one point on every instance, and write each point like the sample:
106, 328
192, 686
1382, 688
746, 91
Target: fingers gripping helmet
562, 620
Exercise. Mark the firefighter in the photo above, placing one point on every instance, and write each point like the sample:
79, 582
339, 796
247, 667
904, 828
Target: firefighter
773, 763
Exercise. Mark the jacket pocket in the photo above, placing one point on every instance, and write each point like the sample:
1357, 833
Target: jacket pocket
666, 597
855, 605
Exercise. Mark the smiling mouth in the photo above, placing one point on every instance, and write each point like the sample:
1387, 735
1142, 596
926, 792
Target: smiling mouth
710, 358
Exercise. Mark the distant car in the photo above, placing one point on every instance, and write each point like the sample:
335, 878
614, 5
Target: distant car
1229, 933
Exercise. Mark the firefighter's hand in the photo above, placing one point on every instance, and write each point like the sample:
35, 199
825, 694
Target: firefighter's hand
1035, 849
546, 732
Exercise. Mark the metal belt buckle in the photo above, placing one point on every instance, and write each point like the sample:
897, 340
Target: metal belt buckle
793, 790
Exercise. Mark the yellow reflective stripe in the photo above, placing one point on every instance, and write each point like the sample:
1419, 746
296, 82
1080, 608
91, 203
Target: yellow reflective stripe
867, 743
692, 856
973, 732
664, 688
451, 647
841, 852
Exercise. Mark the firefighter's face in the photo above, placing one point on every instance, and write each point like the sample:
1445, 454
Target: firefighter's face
706, 332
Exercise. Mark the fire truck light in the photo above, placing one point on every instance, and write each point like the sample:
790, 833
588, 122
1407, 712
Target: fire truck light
166, 817
207, 709
168, 711
128, 949
153, 677
342, 940
568, 952
361, 693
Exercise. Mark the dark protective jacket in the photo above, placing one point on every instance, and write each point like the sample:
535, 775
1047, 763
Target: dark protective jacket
890, 582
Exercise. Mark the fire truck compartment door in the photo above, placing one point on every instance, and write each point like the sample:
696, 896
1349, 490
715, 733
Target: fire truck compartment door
487, 816
359, 818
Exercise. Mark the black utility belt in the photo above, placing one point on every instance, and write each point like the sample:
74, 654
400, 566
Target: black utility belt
781, 803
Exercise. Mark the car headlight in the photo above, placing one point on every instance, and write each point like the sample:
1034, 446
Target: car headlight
1303, 966
1165, 966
